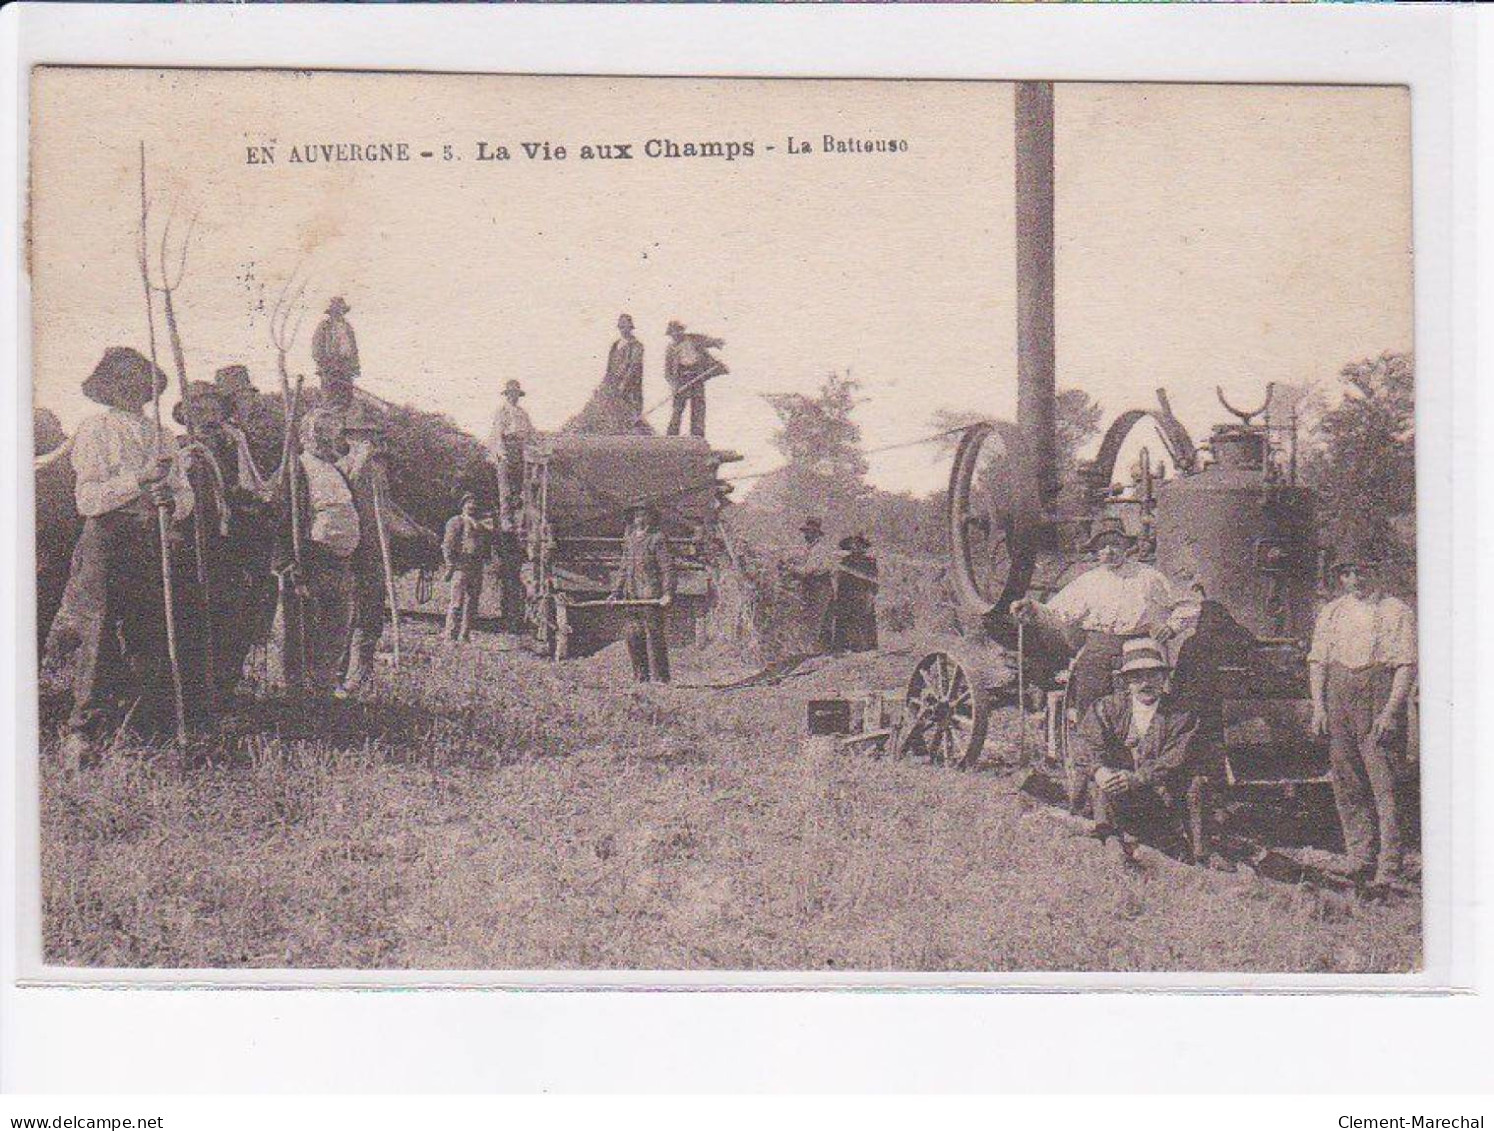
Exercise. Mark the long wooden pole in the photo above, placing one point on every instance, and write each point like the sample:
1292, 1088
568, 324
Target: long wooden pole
388, 569
199, 532
163, 515
290, 471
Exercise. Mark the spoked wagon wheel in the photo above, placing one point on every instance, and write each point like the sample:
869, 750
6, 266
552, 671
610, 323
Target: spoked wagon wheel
990, 520
945, 712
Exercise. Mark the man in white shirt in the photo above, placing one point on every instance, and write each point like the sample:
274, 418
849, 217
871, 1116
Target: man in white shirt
1099, 609
124, 472
512, 428
1361, 666
317, 591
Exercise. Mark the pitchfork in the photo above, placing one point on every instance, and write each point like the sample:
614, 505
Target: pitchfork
283, 332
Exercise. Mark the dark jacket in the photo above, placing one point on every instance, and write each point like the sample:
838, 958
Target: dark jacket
855, 604
624, 380
646, 570
689, 361
1162, 757
335, 349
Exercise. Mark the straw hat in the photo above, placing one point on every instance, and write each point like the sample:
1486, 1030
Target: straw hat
122, 379
1143, 654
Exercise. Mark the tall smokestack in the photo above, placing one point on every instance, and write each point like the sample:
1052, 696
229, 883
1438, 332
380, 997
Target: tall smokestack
1037, 390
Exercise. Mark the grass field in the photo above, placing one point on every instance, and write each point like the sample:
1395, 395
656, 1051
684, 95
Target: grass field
486, 810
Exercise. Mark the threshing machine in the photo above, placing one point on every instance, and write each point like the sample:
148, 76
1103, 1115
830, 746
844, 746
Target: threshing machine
1228, 524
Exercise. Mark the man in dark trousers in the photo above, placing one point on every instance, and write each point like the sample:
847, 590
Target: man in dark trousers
317, 586
646, 574
1361, 666
854, 606
466, 548
1136, 755
333, 346
809, 576
239, 533
383, 524
123, 473
688, 365
509, 554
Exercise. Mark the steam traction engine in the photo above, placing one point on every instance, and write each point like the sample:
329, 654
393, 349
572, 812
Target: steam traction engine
1234, 529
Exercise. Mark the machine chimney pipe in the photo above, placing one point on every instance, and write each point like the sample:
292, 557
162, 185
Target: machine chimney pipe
1037, 391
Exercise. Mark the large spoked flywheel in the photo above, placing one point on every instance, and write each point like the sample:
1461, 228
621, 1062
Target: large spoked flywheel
945, 712
990, 520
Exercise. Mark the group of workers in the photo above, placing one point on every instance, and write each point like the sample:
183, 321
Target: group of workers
689, 363
835, 592
196, 523
188, 553
1141, 753
234, 546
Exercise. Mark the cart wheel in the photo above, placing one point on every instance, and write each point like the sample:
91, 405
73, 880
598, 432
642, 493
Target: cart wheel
945, 712
989, 518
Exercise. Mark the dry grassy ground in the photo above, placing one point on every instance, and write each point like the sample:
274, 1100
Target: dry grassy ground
506, 814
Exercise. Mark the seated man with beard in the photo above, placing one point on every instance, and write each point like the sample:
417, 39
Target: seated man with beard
1136, 756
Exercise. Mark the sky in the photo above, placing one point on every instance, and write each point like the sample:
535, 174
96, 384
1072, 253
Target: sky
1207, 235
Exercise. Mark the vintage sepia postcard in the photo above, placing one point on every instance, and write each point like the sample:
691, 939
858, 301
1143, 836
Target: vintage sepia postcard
524, 523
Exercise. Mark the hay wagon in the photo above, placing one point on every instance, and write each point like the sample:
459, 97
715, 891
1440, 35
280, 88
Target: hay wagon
571, 517
577, 489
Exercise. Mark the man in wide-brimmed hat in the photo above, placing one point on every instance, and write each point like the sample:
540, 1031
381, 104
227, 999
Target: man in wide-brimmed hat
334, 347
808, 578
238, 535
255, 421
854, 605
688, 365
124, 470
1091, 615
1135, 756
466, 547
646, 574
317, 594
385, 526
511, 430
1361, 667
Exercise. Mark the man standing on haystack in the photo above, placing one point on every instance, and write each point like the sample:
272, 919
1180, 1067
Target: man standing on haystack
334, 348
623, 384
466, 547
512, 428
688, 365
125, 470
646, 576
